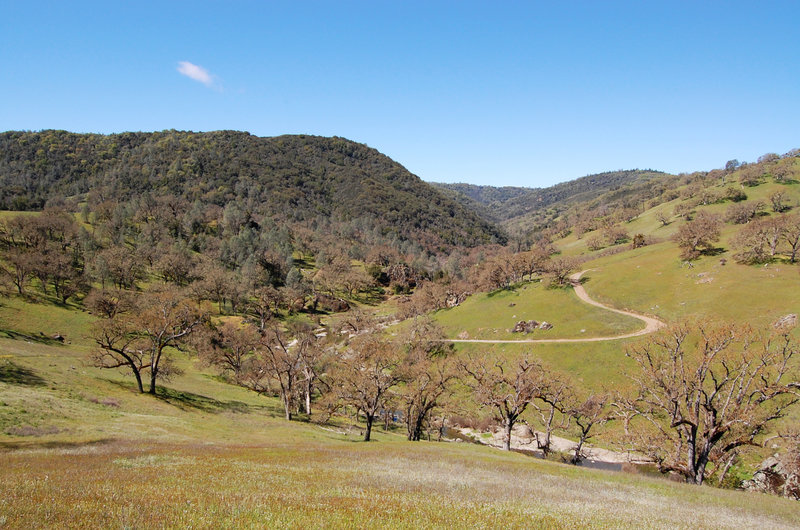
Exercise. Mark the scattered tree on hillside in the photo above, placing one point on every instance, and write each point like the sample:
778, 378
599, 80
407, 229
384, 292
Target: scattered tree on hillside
777, 199
506, 389
107, 303
743, 212
705, 391
587, 414
140, 339
560, 268
230, 346
20, 267
364, 375
758, 241
699, 235
279, 360
427, 373
553, 399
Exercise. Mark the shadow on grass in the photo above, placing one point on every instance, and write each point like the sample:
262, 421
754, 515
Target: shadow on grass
53, 444
188, 401
13, 374
41, 338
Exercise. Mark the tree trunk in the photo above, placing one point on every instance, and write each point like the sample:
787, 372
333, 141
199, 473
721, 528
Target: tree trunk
153, 374
368, 430
138, 379
287, 406
508, 425
415, 427
308, 399
577, 457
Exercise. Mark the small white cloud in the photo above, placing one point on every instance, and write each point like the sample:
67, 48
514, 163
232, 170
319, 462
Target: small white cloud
198, 73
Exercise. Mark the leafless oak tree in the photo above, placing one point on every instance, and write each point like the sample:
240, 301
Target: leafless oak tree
707, 390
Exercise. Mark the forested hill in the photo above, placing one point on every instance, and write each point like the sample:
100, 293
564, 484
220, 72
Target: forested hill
296, 179
508, 203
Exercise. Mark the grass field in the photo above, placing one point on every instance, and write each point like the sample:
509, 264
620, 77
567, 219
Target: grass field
310, 478
79, 448
493, 315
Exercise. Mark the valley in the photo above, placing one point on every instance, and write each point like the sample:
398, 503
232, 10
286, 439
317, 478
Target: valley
312, 293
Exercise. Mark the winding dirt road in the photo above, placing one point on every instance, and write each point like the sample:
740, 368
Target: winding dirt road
651, 324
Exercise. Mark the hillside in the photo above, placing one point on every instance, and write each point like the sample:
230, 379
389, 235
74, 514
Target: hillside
78, 446
254, 401
509, 204
297, 180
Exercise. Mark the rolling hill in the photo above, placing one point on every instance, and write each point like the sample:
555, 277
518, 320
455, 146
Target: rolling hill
290, 179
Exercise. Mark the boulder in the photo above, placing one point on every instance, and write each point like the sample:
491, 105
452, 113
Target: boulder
545, 326
787, 321
455, 299
330, 304
772, 477
525, 326
523, 431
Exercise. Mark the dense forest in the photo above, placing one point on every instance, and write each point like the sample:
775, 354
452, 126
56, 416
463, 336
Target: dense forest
329, 184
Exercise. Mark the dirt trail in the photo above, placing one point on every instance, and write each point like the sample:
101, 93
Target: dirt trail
528, 445
651, 324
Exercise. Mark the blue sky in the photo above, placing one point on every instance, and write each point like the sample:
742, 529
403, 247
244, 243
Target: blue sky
500, 93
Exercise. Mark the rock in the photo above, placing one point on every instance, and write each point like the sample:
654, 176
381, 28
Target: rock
545, 326
463, 335
773, 478
58, 337
331, 304
455, 299
523, 431
787, 321
525, 327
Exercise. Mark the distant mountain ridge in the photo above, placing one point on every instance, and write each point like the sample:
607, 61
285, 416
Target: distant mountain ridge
503, 204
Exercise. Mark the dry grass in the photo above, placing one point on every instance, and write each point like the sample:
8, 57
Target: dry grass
309, 481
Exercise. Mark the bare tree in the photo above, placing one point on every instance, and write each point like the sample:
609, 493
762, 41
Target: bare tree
758, 241
311, 354
365, 373
21, 267
230, 346
107, 303
791, 236
280, 361
705, 391
427, 373
139, 339
508, 390
587, 414
560, 268
777, 199
263, 305
552, 400
117, 347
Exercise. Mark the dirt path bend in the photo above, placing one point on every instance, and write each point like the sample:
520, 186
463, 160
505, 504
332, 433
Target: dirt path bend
651, 324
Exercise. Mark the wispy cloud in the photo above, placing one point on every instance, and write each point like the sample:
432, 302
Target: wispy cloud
197, 73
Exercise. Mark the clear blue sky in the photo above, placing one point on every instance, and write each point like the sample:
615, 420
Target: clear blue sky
501, 93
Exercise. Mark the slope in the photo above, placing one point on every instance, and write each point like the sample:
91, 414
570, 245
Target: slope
291, 179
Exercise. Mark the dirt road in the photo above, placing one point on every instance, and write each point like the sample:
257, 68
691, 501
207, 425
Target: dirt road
651, 324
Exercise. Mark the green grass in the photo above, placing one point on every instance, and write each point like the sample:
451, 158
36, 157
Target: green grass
654, 280
40, 321
310, 478
493, 315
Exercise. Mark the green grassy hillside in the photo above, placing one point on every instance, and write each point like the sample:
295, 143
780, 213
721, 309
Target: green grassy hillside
79, 448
